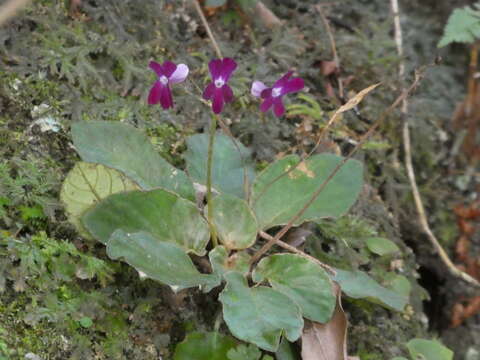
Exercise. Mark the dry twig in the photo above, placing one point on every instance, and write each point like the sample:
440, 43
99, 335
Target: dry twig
408, 162
336, 59
207, 27
299, 252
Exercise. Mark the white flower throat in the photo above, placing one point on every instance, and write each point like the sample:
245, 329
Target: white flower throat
219, 82
276, 91
163, 79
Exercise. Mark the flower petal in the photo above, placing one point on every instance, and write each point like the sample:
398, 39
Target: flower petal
156, 67
228, 67
278, 108
154, 95
293, 85
208, 92
217, 103
168, 68
166, 97
266, 104
283, 80
227, 93
257, 88
215, 67
179, 74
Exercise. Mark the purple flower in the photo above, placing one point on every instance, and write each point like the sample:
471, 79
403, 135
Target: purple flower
273, 96
168, 73
218, 90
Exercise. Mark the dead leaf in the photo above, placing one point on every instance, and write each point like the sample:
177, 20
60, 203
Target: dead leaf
268, 18
467, 221
326, 341
356, 99
328, 67
298, 236
462, 312
304, 168
329, 90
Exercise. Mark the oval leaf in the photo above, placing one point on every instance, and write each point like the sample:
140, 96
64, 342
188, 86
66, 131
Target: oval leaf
398, 283
428, 350
158, 260
359, 285
276, 203
235, 222
124, 148
204, 346
306, 283
163, 214
87, 184
285, 351
245, 352
381, 246
259, 315
229, 166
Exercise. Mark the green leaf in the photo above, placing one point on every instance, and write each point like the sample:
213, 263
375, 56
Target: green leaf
165, 215
124, 148
463, 26
161, 261
277, 203
204, 346
285, 351
421, 349
244, 352
399, 358
236, 225
381, 246
303, 281
222, 263
87, 184
359, 285
229, 165
398, 283
259, 315
29, 213
86, 322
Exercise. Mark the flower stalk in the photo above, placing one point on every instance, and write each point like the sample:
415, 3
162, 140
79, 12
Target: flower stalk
211, 141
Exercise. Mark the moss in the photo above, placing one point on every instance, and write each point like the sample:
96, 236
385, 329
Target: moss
378, 334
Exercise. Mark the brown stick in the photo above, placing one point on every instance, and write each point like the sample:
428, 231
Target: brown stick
336, 59
207, 27
408, 163
299, 252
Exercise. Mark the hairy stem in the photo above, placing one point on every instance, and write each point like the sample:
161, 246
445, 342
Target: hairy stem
211, 141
